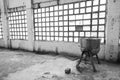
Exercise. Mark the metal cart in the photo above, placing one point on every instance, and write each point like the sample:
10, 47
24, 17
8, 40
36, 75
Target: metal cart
89, 47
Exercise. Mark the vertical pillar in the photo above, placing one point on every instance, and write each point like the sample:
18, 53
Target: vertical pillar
5, 23
112, 30
30, 24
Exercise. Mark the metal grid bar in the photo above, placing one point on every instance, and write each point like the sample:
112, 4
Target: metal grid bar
18, 23
91, 14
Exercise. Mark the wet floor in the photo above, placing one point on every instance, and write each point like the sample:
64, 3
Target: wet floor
21, 65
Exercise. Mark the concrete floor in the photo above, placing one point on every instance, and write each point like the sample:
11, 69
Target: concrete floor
20, 65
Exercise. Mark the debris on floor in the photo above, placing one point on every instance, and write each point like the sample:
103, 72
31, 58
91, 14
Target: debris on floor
30, 66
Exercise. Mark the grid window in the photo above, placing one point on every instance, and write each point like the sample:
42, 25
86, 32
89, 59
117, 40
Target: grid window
1, 30
18, 23
57, 23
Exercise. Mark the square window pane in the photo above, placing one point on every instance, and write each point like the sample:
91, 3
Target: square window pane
35, 10
94, 28
56, 38
56, 28
65, 12
60, 38
70, 39
44, 33
55, 7
75, 39
39, 20
95, 15
79, 16
56, 18
51, 29
70, 11
47, 14
51, 8
82, 4
56, 13
60, 28
86, 22
61, 18
79, 23
43, 9
40, 38
75, 33
44, 38
52, 38
102, 21
76, 11
103, 1
89, 3
47, 24
70, 6
95, 8
47, 29
94, 22
95, 2
56, 23
65, 17
60, 12
82, 10
65, 39
60, 7
102, 15
93, 34
36, 37
47, 9
76, 5
70, 33
72, 17
65, 33
87, 16
65, 6
81, 34
60, 33
56, 33
72, 23
52, 33
65, 28
61, 23
51, 13
101, 28
87, 34
102, 8
65, 23
35, 15
101, 34
86, 28
102, 40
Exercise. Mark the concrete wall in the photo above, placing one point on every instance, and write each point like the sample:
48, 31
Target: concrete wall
66, 47
16, 3
112, 30
2, 43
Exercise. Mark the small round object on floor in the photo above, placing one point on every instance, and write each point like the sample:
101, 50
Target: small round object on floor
67, 70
